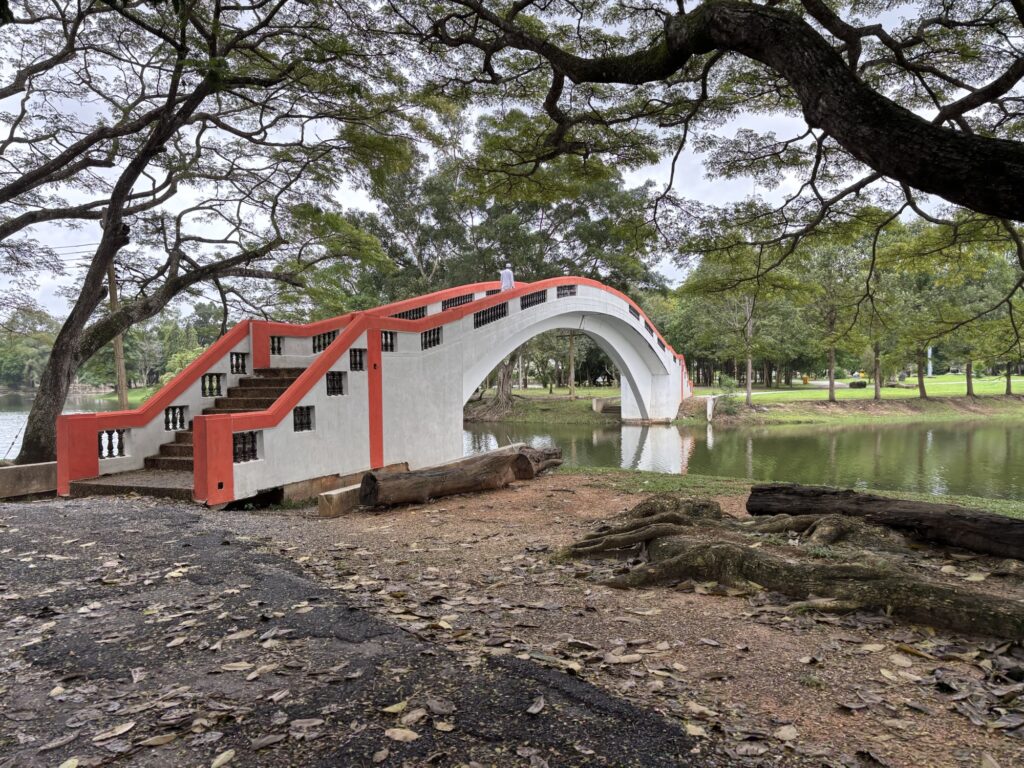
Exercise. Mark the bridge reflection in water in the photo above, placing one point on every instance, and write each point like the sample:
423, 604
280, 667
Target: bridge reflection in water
973, 458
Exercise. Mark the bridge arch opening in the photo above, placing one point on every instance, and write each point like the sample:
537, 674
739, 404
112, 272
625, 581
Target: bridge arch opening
644, 375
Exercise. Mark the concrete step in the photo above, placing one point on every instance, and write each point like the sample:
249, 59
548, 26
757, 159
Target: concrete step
248, 403
254, 391
177, 449
184, 437
177, 463
288, 373
338, 502
278, 383
215, 411
144, 482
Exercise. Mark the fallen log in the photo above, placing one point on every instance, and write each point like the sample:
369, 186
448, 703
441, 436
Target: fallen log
474, 473
943, 524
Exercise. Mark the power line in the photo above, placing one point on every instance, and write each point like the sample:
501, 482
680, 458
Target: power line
73, 247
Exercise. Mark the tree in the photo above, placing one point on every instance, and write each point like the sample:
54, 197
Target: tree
25, 340
916, 116
859, 89
207, 147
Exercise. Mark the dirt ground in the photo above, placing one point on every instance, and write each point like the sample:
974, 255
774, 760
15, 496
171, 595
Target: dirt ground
140, 632
476, 575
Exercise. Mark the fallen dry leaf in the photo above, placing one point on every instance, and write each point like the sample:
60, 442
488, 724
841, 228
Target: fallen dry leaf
117, 730
786, 733
536, 707
158, 741
401, 734
223, 758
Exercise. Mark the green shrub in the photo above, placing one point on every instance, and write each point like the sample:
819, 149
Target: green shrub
727, 404
858, 384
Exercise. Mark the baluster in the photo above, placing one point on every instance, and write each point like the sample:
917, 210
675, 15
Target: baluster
120, 442
99, 438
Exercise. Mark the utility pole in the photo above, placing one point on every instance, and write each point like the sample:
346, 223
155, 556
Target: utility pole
122, 376
572, 365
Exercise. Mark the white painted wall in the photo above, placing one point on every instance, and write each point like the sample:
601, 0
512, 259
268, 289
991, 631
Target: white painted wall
339, 444
422, 402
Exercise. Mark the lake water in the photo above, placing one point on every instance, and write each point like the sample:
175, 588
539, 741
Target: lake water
984, 458
974, 458
14, 411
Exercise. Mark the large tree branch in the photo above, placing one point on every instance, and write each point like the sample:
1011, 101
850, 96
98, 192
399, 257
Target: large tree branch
978, 172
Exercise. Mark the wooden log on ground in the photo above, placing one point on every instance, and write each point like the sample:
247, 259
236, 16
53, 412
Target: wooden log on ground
542, 458
943, 524
476, 473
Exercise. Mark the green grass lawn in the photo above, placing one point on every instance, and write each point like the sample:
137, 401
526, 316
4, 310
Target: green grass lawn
136, 397
947, 385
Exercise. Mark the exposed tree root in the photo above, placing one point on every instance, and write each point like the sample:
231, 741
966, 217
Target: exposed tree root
667, 531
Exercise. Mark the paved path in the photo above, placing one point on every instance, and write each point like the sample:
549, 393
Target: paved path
127, 614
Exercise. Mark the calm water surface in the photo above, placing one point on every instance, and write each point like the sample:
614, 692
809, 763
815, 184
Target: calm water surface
14, 411
973, 458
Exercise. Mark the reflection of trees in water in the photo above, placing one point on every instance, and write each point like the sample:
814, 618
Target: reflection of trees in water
970, 459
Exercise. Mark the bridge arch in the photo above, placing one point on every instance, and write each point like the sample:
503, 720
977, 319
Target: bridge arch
644, 373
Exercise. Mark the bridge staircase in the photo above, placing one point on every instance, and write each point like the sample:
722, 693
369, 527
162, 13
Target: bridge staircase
170, 473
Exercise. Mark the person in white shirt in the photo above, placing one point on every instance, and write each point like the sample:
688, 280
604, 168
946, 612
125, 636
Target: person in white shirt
508, 282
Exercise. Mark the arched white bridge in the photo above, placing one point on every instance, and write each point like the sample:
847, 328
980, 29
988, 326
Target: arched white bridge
273, 404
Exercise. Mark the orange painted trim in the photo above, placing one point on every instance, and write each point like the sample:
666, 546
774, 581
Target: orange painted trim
375, 395
456, 313
434, 298
260, 345
213, 459
77, 450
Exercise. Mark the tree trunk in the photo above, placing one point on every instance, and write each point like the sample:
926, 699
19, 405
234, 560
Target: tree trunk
476, 473
920, 375
1009, 379
40, 441
831, 374
541, 458
878, 370
503, 389
969, 373
750, 381
119, 370
942, 524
